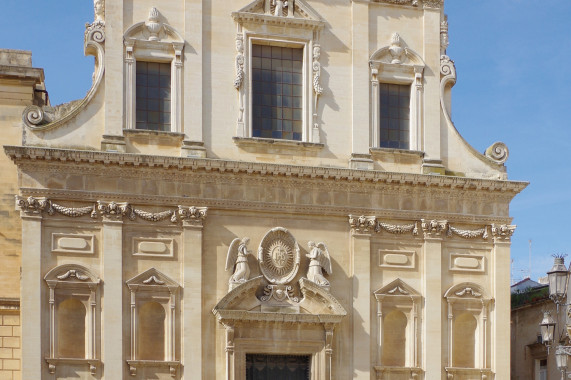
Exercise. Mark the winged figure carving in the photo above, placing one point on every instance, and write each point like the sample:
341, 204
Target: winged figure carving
237, 260
319, 260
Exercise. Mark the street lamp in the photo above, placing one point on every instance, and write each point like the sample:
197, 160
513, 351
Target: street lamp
558, 277
547, 326
561, 356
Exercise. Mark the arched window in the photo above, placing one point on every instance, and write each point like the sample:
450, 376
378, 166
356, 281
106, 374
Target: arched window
71, 315
464, 341
394, 337
151, 332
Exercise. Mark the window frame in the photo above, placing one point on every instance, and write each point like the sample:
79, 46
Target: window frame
305, 45
408, 71
166, 46
300, 27
170, 98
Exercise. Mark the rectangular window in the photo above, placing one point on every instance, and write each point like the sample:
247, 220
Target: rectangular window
272, 367
394, 116
277, 92
153, 110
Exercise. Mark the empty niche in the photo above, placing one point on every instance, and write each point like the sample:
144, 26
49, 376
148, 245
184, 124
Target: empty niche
71, 315
464, 341
151, 331
394, 325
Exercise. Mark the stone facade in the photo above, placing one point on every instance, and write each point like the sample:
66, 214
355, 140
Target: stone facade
176, 253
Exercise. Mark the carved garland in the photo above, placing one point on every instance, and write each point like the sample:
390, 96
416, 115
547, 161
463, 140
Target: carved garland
368, 224
116, 210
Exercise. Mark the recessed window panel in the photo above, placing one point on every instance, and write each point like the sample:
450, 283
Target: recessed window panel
153, 91
394, 116
277, 91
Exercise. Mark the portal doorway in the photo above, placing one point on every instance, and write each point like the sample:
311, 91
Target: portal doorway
277, 367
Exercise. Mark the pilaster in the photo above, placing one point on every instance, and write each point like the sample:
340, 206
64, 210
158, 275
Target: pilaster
431, 54
500, 316
192, 294
361, 230
111, 318
434, 232
31, 302
114, 103
192, 82
360, 140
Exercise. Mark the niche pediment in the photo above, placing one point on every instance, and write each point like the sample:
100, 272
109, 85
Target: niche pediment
253, 302
397, 288
151, 279
277, 12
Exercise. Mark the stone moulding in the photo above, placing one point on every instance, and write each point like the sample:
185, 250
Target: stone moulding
46, 118
116, 210
20, 154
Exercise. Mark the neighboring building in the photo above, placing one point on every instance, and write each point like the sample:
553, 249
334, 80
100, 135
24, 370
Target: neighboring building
21, 85
529, 355
261, 189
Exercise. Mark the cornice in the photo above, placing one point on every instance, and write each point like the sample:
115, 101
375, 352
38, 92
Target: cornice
21, 155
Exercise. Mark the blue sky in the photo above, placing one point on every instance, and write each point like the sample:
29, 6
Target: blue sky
511, 56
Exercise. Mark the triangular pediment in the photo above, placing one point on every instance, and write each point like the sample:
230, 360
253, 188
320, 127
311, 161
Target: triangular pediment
396, 288
152, 277
297, 12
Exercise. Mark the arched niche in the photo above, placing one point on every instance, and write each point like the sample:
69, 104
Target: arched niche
468, 342
74, 316
154, 310
398, 326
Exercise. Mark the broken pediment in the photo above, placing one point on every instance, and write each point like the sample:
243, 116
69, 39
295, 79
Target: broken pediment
154, 29
257, 301
279, 12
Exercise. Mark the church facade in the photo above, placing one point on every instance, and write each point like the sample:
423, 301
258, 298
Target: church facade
263, 190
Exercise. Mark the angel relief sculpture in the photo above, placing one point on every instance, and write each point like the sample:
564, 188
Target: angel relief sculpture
319, 259
237, 259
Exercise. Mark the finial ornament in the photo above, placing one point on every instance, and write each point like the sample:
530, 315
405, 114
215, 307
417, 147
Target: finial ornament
153, 24
444, 40
396, 50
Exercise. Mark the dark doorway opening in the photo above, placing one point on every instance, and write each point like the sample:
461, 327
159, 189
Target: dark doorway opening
277, 367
